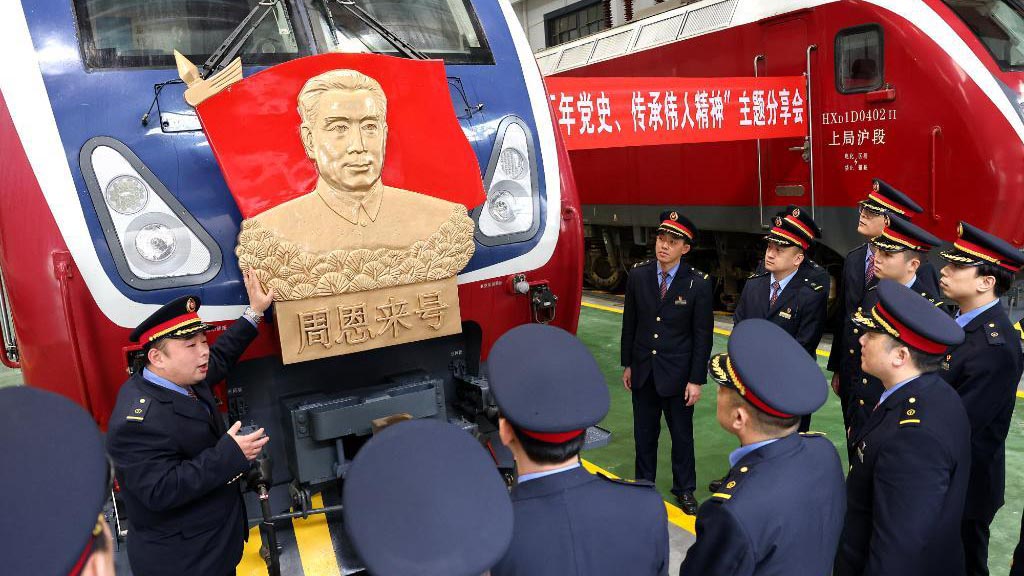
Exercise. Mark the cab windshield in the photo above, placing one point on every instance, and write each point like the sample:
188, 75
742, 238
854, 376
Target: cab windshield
145, 33
999, 24
444, 29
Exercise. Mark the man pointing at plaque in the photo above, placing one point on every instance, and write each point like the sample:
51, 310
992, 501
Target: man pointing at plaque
344, 130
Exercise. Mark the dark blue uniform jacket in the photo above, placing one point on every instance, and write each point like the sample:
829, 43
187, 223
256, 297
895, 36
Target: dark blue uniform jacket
670, 338
907, 485
779, 513
574, 523
851, 293
178, 471
799, 309
985, 370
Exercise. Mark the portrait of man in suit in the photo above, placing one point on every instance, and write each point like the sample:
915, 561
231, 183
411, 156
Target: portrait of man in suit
344, 131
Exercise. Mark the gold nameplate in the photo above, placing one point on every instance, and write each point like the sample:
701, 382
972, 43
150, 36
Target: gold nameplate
345, 323
786, 314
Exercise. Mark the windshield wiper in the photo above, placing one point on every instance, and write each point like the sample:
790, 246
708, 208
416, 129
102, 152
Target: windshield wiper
232, 45
380, 28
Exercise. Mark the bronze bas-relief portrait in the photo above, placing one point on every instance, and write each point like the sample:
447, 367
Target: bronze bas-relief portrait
352, 232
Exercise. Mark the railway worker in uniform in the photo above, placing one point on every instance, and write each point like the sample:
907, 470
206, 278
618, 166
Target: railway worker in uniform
859, 271
177, 465
667, 329
568, 522
424, 498
984, 370
782, 506
808, 267
56, 479
908, 477
899, 251
787, 294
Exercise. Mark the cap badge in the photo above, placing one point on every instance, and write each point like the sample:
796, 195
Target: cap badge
778, 221
796, 212
960, 230
673, 215
190, 305
874, 186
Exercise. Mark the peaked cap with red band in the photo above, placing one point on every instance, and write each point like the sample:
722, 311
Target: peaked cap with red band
176, 319
53, 447
884, 199
910, 318
546, 383
677, 225
794, 227
770, 370
900, 235
974, 247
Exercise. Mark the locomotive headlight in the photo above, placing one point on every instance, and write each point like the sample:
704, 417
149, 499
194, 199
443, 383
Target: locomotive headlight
511, 211
126, 194
155, 242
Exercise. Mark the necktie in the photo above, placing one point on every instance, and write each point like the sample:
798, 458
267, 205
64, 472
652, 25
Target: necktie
775, 293
869, 272
664, 284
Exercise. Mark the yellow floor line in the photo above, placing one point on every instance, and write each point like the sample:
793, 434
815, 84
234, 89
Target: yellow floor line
252, 563
720, 331
675, 515
316, 551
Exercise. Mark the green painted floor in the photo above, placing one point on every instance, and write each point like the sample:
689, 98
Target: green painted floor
600, 330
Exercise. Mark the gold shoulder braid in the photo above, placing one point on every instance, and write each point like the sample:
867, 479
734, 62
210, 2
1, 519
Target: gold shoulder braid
296, 274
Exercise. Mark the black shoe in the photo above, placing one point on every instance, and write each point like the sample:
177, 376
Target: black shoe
716, 485
688, 503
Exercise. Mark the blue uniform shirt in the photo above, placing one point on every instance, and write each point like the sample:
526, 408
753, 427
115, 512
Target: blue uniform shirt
889, 392
535, 475
782, 283
965, 319
742, 451
671, 273
165, 383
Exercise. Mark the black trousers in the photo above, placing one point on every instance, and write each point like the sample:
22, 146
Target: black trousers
975, 535
648, 407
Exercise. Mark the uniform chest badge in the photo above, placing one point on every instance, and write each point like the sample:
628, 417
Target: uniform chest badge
787, 313
861, 448
680, 301
946, 361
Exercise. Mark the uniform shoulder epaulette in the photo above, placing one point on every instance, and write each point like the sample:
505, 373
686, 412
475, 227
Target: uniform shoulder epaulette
627, 482
643, 263
856, 248
813, 285
910, 413
812, 434
813, 264
137, 413
698, 273
756, 274
731, 485
994, 336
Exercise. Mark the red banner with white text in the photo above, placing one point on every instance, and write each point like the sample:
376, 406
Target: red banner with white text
616, 112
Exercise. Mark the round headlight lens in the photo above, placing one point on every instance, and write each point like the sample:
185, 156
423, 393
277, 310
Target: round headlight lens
501, 206
155, 242
512, 162
126, 194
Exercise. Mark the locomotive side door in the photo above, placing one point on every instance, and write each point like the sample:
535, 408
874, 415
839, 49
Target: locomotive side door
784, 162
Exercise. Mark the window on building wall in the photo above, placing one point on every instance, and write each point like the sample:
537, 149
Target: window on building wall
859, 60
574, 21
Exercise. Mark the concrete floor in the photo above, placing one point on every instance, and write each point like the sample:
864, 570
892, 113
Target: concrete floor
310, 544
